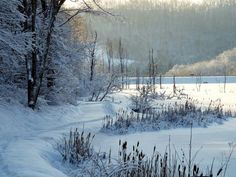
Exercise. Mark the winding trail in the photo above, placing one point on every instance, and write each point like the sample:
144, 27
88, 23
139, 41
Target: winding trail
23, 153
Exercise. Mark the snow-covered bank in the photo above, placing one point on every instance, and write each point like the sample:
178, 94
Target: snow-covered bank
28, 138
213, 141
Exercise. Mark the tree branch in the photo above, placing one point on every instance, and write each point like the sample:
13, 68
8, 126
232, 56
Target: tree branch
88, 9
79, 11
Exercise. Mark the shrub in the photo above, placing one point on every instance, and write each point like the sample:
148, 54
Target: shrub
77, 147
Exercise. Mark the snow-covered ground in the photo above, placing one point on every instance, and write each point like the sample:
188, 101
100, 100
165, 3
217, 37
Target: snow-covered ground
28, 138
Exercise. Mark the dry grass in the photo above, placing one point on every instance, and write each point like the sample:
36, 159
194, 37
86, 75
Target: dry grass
170, 116
77, 147
77, 150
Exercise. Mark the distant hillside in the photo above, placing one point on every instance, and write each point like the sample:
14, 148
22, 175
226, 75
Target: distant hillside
178, 32
223, 63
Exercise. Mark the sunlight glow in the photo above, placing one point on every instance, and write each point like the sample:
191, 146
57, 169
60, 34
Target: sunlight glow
73, 3
70, 3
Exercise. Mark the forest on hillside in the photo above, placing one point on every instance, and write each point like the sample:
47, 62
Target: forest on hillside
179, 32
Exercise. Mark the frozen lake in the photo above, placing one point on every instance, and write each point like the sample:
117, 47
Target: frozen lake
189, 79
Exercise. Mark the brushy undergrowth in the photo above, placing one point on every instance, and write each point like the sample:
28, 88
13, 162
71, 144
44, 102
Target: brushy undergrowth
169, 116
130, 163
136, 164
146, 96
77, 147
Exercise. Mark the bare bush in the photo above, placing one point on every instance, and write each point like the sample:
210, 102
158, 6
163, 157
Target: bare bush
170, 116
77, 147
77, 150
136, 164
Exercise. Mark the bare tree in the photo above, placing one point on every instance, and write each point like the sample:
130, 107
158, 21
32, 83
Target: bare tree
198, 81
137, 78
152, 70
109, 49
121, 53
36, 62
40, 21
174, 85
92, 57
225, 77
110, 86
126, 74
160, 81
92, 60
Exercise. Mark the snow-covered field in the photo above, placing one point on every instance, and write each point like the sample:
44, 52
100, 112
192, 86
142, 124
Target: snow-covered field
28, 138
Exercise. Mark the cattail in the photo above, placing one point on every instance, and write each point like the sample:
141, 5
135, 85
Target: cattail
124, 146
219, 172
154, 149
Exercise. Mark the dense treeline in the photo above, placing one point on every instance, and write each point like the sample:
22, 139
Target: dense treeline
178, 31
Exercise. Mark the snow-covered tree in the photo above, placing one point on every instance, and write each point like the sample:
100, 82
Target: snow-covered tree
41, 52
14, 43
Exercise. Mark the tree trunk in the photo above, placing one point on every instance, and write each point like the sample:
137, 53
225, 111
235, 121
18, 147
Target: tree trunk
121, 55
174, 86
35, 83
33, 76
92, 53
